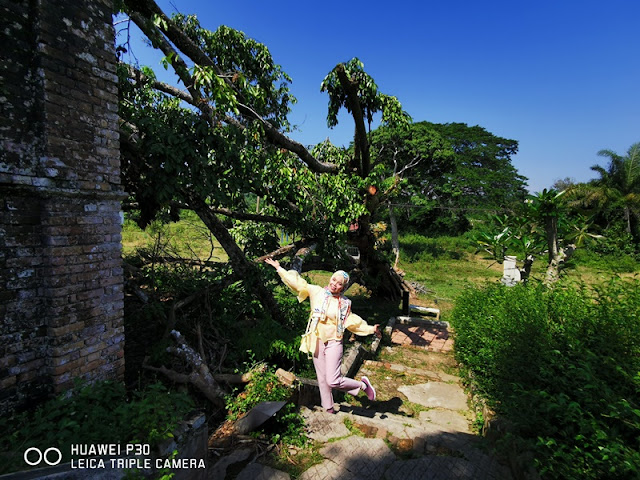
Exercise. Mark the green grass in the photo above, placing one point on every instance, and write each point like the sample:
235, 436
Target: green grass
447, 266
188, 238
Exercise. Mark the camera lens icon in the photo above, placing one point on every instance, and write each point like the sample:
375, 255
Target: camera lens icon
51, 456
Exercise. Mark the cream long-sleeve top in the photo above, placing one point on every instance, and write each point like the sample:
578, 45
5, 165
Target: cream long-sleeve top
327, 327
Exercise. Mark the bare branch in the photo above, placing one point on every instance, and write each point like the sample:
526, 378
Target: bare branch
415, 161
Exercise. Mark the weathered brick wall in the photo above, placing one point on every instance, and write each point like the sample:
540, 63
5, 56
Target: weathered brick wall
61, 284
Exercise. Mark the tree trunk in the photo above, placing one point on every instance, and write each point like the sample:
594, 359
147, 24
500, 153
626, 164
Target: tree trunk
239, 262
551, 227
376, 271
360, 141
555, 265
627, 218
395, 243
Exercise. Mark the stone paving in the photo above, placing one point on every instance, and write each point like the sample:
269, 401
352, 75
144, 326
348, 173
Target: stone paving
433, 337
378, 445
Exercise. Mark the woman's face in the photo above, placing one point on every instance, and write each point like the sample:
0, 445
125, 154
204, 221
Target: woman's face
336, 284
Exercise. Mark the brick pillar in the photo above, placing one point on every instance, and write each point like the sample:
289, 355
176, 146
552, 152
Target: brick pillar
61, 283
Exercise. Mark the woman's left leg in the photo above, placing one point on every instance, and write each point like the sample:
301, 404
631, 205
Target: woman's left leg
334, 377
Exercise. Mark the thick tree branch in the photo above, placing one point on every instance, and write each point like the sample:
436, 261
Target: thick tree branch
141, 11
200, 375
185, 96
241, 265
180, 67
287, 249
255, 217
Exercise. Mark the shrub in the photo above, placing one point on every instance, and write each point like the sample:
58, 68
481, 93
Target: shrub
287, 425
562, 364
611, 262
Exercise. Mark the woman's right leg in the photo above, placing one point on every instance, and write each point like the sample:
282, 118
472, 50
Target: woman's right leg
319, 362
332, 364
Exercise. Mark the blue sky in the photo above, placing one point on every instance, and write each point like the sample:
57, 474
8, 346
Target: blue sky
562, 77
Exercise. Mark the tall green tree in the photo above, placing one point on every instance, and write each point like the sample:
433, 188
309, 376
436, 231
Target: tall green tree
468, 168
619, 183
484, 175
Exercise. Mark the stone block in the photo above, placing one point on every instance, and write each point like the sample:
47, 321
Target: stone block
70, 366
8, 382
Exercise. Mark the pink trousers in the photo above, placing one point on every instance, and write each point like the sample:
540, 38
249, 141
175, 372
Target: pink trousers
327, 359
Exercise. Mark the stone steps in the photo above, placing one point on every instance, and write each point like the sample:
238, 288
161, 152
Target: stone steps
370, 443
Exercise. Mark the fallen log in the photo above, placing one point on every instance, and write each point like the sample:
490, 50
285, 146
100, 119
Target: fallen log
200, 375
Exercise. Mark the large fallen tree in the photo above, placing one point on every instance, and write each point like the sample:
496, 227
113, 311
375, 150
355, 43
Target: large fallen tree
216, 142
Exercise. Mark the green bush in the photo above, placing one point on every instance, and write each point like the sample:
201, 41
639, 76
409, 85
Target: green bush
287, 425
277, 341
92, 414
616, 241
562, 364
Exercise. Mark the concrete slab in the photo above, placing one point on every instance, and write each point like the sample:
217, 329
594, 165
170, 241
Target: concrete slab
256, 471
328, 470
323, 426
448, 419
432, 468
395, 367
364, 457
436, 394
219, 470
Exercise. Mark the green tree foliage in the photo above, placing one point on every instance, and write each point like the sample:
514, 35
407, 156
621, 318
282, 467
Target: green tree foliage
215, 145
454, 169
350, 87
484, 175
617, 191
220, 142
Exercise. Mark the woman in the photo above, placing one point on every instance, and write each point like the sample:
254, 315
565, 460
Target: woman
330, 316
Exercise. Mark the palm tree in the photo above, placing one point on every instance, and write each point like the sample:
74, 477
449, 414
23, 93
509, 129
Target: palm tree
619, 183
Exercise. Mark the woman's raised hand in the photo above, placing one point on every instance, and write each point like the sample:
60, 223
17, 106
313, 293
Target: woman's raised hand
378, 332
274, 263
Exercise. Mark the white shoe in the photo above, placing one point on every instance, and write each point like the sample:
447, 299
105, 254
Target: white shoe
369, 390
